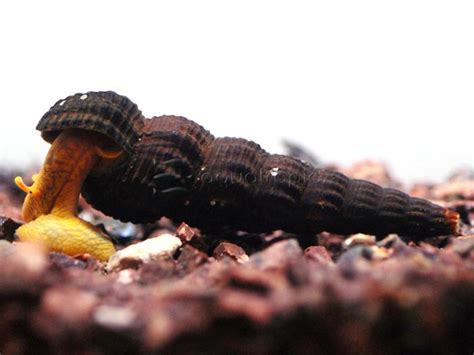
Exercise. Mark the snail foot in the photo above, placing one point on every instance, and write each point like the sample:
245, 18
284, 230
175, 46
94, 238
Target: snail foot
68, 235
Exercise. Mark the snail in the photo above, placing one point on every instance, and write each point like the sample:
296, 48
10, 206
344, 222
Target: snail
138, 169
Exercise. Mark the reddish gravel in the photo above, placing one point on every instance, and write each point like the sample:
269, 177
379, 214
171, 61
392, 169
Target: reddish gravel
240, 293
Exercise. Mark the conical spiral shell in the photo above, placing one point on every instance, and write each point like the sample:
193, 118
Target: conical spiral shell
176, 168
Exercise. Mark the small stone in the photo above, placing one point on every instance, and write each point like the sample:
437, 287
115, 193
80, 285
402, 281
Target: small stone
121, 232
185, 232
190, 258
144, 252
115, 317
232, 250
81, 261
463, 245
380, 253
124, 231
359, 239
318, 255
354, 255
391, 241
332, 242
7, 228
192, 237
277, 256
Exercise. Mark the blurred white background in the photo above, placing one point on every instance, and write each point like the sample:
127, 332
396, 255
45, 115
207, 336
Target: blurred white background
350, 80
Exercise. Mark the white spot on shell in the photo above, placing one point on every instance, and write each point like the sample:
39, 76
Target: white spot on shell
203, 168
213, 202
187, 202
274, 171
62, 102
83, 96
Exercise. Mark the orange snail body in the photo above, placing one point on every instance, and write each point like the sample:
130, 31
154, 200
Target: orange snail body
50, 205
173, 167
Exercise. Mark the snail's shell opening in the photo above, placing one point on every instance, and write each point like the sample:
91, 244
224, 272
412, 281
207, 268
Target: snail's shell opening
100, 140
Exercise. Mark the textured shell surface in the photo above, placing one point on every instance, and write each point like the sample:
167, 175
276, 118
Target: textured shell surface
176, 168
105, 112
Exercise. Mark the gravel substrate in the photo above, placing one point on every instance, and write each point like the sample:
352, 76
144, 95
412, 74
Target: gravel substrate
240, 293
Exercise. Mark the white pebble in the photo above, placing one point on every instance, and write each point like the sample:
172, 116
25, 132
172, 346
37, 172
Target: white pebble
114, 316
141, 253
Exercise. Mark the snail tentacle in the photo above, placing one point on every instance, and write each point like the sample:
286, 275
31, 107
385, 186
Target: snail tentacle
20, 183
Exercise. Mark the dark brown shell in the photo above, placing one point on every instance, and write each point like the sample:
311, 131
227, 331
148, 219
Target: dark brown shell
130, 192
105, 112
179, 170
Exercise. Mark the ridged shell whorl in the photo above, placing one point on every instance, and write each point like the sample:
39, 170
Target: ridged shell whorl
176, 168
105, 112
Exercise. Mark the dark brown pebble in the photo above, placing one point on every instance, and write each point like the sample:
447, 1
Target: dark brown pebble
185, 232
7, 228
230, 249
